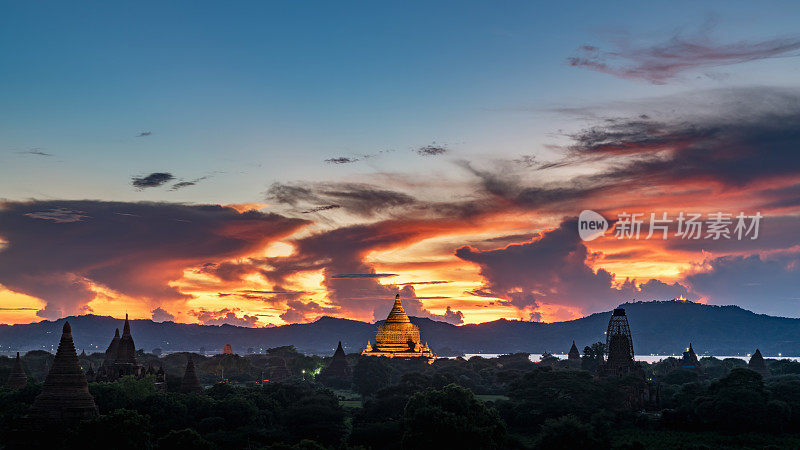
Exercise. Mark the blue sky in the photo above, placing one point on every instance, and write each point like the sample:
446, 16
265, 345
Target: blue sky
267, 91
530, 113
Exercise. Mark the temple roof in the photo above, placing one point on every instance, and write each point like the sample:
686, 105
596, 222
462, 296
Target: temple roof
17, 379
65, 394
574, 352
397, 314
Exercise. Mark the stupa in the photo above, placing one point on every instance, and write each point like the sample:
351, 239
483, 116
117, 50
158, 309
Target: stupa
757, 364
574, 355
337, 373
17, 379
190, 383
65, 394
397, 337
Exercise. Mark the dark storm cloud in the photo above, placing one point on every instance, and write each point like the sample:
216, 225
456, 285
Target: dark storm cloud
357, 198
321, 208
555, 269
137, 254
153, 180
161, 315
35, 152
664, 61
733, 138
363, 275
431, 150
225, 316
343, 251
185, 184
768, 284
341, 160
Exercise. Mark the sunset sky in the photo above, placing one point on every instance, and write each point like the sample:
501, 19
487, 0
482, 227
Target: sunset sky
264, 163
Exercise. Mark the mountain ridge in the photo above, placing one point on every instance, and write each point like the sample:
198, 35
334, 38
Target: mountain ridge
658, 327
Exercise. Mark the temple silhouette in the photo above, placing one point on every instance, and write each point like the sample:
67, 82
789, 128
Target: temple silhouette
65, 394
338, 372
17, 378
397, 337
120, 360
619, 348
190, 384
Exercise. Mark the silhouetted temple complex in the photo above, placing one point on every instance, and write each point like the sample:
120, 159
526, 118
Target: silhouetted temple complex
619, 347
17, 378
120, 357
758, 364
337, 373
65, 394
397, 337
190, 384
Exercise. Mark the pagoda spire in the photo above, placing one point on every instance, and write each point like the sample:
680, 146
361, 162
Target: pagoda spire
190, 384
126, 354
65, 394
17, 379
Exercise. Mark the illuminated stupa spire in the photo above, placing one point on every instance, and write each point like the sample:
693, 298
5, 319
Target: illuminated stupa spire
397, 337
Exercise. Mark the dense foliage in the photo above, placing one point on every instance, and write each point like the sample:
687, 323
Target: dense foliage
504, 402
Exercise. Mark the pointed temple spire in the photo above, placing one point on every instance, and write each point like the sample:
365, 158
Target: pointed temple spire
190, 384
574, 354
113, 349
758, 364
127, 349
338, 372
398, 314
65, 394
17, 379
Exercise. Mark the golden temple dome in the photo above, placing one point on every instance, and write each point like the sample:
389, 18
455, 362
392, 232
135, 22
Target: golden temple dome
398, 337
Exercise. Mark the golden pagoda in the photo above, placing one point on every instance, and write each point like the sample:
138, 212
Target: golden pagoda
397, 337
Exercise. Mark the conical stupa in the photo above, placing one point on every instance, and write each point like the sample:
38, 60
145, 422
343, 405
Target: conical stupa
337, 373
190, 384
574, 354
757, 364
65, 394
113, 348
17, 379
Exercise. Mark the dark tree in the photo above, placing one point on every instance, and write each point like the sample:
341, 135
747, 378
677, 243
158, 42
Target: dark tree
451, 418
370, 375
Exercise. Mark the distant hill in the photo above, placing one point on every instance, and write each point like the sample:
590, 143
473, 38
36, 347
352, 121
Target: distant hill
657, 327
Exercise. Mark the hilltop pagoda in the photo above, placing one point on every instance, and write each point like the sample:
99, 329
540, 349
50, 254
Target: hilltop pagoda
17, 379
65, 394
338, 372
190, 384
757, 364
397, 337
